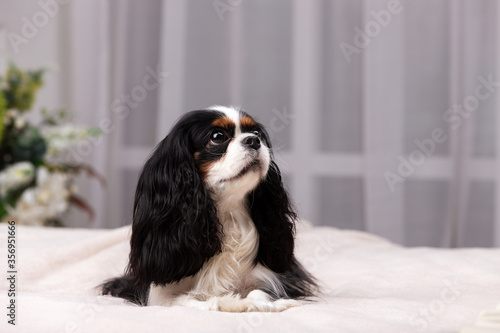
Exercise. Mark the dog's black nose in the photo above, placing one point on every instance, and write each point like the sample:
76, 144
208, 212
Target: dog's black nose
252, 142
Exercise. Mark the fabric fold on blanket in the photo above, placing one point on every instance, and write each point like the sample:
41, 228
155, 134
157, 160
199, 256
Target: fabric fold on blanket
368, 285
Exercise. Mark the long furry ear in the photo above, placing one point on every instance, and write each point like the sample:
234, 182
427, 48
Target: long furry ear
175, 225
274, 218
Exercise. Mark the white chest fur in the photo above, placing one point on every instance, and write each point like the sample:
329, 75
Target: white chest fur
226, 272
230, 272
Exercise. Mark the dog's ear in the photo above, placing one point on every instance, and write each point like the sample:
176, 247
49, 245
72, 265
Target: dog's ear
274, 218
175, 224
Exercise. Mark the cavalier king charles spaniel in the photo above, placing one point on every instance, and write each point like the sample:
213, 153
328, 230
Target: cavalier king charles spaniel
213, 226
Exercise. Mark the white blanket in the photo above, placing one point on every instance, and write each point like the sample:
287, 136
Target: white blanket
369, 285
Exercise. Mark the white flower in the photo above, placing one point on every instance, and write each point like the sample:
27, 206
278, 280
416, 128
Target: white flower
42, 174
19, 123
28, 215
48, 200
11, 114
15, 176
60, 139
29, 197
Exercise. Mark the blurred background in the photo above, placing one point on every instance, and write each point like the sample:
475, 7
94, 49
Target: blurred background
384, 114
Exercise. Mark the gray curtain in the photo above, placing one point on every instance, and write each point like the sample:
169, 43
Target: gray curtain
383, 113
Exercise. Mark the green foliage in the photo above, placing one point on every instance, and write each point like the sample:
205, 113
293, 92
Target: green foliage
53, 118
10, 198
21, 141
54, 223
3, 108
21, 87
29, 146
18, 90
3, 210
22, 145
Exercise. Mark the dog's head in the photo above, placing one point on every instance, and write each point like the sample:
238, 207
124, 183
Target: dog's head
212, 158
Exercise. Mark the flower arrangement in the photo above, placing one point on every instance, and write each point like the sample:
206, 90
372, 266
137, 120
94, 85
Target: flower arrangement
36, 180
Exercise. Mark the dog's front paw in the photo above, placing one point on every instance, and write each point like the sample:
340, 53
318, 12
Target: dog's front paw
256, 301
284, 304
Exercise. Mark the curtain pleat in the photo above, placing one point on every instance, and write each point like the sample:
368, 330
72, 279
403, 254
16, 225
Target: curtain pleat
355, 117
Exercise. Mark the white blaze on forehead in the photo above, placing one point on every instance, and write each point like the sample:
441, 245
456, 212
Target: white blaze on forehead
235, 159
231, 113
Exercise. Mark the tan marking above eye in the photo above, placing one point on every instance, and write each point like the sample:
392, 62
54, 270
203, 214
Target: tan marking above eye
247, 122
223, 123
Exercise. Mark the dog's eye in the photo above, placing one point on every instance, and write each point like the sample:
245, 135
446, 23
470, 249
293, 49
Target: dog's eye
256, 132
218, 137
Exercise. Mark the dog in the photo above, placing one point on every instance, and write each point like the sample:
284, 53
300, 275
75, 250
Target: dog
213, 226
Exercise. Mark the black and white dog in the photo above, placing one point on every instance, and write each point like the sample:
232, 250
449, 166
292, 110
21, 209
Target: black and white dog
213, 227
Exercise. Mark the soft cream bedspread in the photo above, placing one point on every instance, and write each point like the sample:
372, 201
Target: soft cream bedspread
369, 284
